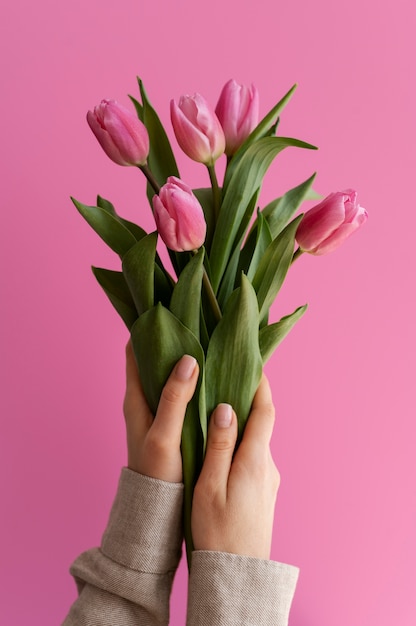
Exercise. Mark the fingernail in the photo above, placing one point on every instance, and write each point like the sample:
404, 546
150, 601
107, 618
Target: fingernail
223, 416
186, 367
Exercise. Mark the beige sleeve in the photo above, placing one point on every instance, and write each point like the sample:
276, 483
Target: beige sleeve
128, 580
232, 590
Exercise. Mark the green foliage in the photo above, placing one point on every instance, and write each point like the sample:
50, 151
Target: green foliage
273, 268
115, 286
159, 340
108, 227
270, 336
161, 160
186, 296
247, 177
245, 260
234, 363
139, 272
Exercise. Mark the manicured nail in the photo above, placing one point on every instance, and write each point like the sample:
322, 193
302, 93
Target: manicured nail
186, 367
223, 416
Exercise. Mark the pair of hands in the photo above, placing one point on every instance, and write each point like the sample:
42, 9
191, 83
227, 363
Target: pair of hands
234, 498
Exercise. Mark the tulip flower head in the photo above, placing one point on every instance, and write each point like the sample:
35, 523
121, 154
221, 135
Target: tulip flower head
121, 134
179, 217
326, 226
197, 129
238, 112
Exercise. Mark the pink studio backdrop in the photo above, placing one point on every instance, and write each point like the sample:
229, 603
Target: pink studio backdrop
343, 380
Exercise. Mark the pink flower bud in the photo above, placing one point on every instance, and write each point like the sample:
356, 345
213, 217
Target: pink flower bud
238, 112
197, 129
179, 217
325, 227
122, 136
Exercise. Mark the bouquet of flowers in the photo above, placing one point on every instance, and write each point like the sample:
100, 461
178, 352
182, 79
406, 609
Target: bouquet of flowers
229, 256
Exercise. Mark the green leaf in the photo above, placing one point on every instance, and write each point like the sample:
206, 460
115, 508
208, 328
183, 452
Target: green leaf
163, 285
159, 340
271, 336
234, 363
205, 199
107, 226
118, 293
266, 127
273, 267
186, 297
279, 212
137, 232
250, 257
139, 269
138, 106
161, 160
106, 205
231, 277
247, 177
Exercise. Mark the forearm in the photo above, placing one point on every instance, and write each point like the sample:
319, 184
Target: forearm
128, 579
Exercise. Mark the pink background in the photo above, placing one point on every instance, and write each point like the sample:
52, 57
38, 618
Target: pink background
343, 380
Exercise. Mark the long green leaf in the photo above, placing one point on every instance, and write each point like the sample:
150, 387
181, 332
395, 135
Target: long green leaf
137, 232
186, 297
234, 363
279, 212
161, 160
250, 259
117, 291
107, 226
139, 269
159, 340
272, 335
205, 198
273, 268
247, 178
269, 122
231, 278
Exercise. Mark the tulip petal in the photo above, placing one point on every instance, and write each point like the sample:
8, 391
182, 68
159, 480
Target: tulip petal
131, 136
105, 140
191, 140
321, 221
340, 235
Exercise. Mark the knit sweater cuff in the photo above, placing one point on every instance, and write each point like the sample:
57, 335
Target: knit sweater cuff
144, 531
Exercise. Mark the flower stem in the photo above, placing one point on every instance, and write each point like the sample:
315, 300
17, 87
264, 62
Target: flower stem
296, 254
210, 292
216, 191
152, 180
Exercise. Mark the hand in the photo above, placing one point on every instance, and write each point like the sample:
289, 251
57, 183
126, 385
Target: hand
153, 443
234, 498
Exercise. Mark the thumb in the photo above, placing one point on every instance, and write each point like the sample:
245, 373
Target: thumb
222, 437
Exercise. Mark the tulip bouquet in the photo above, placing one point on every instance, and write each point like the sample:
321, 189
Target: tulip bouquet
229, 257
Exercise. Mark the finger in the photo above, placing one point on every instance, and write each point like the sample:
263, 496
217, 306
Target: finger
259, 427
176, 394
222, 437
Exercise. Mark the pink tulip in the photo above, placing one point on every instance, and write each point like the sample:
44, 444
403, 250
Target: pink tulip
122, 136
179, 217
238, 112
197, 129
325, 227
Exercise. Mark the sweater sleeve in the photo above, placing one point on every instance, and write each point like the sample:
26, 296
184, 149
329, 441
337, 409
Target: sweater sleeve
128, 580
232, 590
